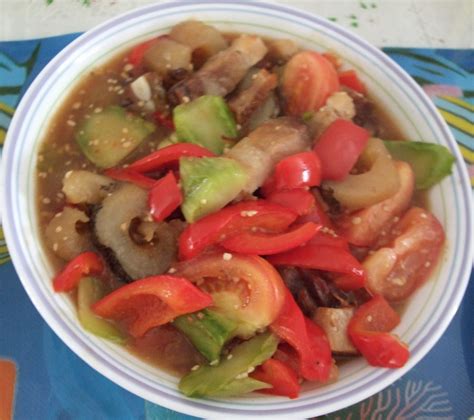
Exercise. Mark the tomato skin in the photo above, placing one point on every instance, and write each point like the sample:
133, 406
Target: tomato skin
164, 197
281, 376
295, 171
81, 266
254, 286
308, 80
411, 252
151, 302
339, 147
233, 219
169, 155
350, 79
300, 200
368, 330
128, 175
267, 244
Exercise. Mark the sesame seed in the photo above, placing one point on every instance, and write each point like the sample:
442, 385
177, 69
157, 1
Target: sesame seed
97, 110
68, 174
427, 264
65, 238
242, 375
385, 208
121, 91
423, 216
123, 226
396, 219
46, 200
186, 99
214, 362
71, 123
76, 105
356, 220
236, 306
251, 213
369, 318
128, 67
238, 126
127, 144
251, 369
203, 201
58, 229
195, 367
43, 174
125, 130
398, 281
58, 214
229, 356
55, 246
172, 270
226, 256
41, 158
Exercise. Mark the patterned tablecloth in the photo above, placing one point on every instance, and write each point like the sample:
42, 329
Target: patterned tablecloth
40, 378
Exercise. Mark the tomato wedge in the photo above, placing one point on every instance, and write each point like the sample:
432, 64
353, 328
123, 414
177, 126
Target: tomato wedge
397, 269
244, 216
167, 155
245, 288
335, 259
350, 79
280, 376
295, 171
300, 200
267, 244
339, 147
131, 176
151, 302
164, 197
368, 330
79, 267
308, 80
314, 352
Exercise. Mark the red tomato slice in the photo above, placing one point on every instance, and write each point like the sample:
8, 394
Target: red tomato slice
295, 171
164, 197
339, 147
328, 258
245, 288
414, 247
308, 80
128, 175
368, 330
350, 79
280, 376
301, 201
168, 155
79, 267
267, 244
151, 302
244, 216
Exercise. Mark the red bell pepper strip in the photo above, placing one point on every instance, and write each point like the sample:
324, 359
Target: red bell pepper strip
164, 120
79, 267
299, 200
280, 376
296, 171
339, 147
164, 197
244, 216
328, 258
128, 175
136, 55
291, 326
350, 79
151, 302
267, 244
326, 239
167, 155
369, 331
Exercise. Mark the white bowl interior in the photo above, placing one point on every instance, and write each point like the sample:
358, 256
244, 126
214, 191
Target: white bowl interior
428, 312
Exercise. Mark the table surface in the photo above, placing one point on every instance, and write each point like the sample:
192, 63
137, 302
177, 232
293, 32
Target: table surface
40, 378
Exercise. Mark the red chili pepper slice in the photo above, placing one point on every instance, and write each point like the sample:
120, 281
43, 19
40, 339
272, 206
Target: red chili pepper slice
128, 175
240, 217
328, 258
136, 55
79, 267
292, 327
151, 302
339, 147
267, 244
369, 331
296, 171
301, 201
280, 376
167, 155
164, 197
350, 79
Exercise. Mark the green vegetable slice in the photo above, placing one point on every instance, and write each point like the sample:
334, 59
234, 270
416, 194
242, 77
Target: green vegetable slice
90, 290
109, 136
207, 330
206, 121
226, 378
240, 387
209, 184
430, 162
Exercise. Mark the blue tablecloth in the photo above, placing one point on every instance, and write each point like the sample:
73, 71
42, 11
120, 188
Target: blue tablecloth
51, 382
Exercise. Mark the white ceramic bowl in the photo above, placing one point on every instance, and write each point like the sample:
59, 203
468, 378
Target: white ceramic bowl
427, 314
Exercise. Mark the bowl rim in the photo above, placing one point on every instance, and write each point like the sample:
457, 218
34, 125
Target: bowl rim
183, 404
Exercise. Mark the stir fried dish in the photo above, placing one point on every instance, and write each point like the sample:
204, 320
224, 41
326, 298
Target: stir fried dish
238, 211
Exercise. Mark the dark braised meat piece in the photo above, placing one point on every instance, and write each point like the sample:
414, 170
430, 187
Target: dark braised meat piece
366, 115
